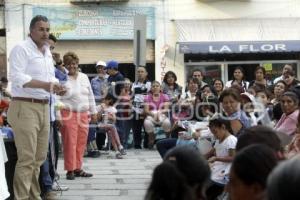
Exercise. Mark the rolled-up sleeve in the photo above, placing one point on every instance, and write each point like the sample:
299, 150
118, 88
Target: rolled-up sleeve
17, 61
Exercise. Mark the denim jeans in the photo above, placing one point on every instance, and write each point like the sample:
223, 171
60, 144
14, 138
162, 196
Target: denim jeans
46, 178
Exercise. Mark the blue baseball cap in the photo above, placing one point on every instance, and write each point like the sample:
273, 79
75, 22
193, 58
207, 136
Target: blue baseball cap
112, 65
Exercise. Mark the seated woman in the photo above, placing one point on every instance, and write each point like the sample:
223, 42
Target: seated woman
187, 136
289, 120
293, 148
156, 109
279, 88
230, 102
184, 107
170, 87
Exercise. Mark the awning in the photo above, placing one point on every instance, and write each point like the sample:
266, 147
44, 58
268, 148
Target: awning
239, 47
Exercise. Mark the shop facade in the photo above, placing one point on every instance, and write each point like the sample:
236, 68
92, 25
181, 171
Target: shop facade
217, 36
219, 59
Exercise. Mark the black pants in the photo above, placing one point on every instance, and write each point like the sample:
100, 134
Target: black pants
100, 138
10, 166
54, 158
214, 190
137, 126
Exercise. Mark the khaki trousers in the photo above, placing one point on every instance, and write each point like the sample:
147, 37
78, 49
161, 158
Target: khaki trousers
31, 125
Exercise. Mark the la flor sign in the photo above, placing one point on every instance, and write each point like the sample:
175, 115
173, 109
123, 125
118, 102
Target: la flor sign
244, 48
240, 47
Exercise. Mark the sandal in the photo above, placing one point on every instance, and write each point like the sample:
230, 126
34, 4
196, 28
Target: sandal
81, 173
119, 155
122, 151
70, 175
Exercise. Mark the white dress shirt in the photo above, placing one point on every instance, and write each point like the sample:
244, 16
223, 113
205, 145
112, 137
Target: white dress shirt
278, 79
27, 63
79, 96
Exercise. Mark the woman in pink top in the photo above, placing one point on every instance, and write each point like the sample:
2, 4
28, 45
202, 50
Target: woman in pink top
156, 109
289, 119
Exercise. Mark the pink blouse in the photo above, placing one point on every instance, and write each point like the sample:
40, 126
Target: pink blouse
288, 123
156, 105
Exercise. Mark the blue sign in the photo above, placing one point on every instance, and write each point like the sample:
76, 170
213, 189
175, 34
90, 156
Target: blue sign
95, 23
239, 47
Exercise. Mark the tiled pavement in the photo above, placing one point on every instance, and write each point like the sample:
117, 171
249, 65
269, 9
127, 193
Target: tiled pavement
113, 179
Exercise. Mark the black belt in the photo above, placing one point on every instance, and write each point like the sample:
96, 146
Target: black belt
42, 101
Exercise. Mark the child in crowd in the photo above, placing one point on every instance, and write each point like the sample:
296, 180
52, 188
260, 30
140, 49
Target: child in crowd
221, 155
263, 96
124, 107
107, 116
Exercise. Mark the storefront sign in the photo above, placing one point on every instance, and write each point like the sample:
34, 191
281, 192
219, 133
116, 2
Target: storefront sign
239, 47
95, 23
268, 66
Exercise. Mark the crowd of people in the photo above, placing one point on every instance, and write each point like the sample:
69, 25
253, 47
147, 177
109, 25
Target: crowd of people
253, 125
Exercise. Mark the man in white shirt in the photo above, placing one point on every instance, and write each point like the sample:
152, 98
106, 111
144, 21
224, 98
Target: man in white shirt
32, 76
286, 68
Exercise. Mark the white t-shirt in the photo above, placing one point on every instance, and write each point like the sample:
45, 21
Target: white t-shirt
220, 169
245, 84
105, 111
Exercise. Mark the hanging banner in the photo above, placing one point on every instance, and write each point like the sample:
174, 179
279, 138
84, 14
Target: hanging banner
95, 23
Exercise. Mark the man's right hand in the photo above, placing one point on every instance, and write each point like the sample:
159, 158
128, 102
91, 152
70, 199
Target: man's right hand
57, 88
59, 123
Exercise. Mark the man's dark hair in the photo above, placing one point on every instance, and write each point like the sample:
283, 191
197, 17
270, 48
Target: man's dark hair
52, 37
283, 180
197, 70
257, 160
192, 165
259, 135
36, 19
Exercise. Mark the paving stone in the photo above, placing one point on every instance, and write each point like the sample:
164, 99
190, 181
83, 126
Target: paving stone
126, 179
